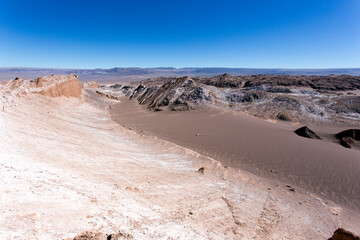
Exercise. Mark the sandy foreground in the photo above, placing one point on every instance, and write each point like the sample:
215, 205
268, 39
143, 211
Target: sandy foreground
66, 168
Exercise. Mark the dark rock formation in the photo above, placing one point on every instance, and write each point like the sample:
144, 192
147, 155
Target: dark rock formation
306, 132
318, 83
100, 236
263, 96
178, 94
348, 104
221, 81
270, 89
287, 101
107, 95
342, 234
348, 137
115, 86
198, 94
137, 91
247, 97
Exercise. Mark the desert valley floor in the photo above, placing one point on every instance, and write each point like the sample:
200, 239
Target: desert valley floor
67, 166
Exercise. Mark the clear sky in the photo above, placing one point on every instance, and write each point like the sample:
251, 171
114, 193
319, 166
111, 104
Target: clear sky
171, 33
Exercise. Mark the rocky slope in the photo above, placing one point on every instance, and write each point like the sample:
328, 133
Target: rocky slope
56, 86
52, 86
319, 99
319, 83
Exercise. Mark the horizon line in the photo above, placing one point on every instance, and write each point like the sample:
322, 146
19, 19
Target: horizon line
177, 68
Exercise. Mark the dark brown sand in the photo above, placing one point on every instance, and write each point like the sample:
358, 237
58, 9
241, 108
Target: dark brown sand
267, 149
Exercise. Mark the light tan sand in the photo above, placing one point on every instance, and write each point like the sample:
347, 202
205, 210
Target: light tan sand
263, 148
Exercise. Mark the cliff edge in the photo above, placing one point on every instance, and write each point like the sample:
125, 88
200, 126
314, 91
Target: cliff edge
52, 86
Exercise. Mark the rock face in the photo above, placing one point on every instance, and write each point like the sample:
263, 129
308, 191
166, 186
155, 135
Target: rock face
109, 96
322, 83
306, 132
176, 95
348, 138
223, 81
342, 234
59, 85
52, 86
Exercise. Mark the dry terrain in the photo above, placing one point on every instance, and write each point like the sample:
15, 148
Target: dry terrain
66, 167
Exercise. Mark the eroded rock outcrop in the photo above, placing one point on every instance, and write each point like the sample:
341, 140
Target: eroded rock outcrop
58, 85
306, 132
52, 86
176, 95
342, 234
274, 83
109, 96
303, 99
349, 137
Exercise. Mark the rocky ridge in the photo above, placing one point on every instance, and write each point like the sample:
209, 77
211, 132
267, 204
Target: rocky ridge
52, 86
319, 83
286, 98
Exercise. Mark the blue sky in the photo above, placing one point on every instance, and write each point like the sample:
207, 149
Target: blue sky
198, 33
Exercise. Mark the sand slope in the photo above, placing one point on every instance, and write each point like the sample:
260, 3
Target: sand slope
263, 148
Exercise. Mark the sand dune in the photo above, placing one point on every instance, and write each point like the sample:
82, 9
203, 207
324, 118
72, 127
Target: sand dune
263, 148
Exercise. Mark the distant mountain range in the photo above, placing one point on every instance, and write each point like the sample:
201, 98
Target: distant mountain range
135, 74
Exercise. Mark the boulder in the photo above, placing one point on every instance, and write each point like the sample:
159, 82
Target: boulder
284, 117
348, 137
342, 234
306, 132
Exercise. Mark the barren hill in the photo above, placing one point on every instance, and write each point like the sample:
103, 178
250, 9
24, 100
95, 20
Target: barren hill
323, 99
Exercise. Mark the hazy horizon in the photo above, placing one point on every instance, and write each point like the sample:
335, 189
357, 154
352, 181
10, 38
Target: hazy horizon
136, 73
186, 67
